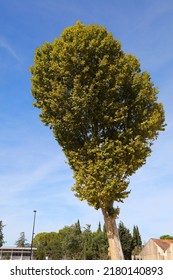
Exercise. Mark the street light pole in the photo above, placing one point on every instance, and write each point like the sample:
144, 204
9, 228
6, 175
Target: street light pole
33, 233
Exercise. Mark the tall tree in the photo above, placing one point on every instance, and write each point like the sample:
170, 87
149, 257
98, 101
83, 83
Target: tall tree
126, 240
99, 246
87, 243
78, 227
71, 242
1, 234
103, 111
22, 241
99, 228
137, 242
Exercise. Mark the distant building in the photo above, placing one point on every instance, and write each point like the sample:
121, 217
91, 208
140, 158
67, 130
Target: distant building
16, 253
157, 249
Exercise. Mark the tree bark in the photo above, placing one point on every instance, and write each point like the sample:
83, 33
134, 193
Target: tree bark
115, 249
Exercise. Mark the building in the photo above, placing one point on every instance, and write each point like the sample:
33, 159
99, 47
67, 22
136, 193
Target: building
16, 253
157, 249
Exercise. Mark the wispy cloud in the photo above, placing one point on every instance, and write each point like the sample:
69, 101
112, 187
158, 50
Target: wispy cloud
6, 45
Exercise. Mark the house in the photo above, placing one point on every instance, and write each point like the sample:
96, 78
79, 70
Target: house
16, 253
157, 249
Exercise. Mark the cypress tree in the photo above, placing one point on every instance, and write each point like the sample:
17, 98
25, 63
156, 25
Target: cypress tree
137, 242
99, 228
78, 227
126, 240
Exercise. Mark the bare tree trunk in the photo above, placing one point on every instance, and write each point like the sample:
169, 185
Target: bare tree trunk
115, 249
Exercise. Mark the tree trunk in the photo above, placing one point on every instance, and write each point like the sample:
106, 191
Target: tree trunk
115, 249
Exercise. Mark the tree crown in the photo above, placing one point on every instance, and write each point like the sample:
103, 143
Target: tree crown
102, 108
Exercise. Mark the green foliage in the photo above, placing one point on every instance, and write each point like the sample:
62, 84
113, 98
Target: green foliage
131, 243
166, 236
78, 227
99, 228
48, 245
103, 110
1, 234
136, 241
98, 246
21, 242
126, 240
136, 237
71, 244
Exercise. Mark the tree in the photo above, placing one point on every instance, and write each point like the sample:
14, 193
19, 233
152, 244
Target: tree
87, 243
99, 246
136, 241
99, 228
166, 237
136, 237
71, 242
21, 242
103, 111
49, 245
1, 234
78, 227
126, 240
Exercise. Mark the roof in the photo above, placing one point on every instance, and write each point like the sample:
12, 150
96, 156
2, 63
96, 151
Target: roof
164, 244
12, 248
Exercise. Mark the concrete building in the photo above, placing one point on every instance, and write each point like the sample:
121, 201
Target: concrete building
16, 253
157, 249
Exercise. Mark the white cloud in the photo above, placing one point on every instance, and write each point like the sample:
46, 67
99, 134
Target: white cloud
4, 44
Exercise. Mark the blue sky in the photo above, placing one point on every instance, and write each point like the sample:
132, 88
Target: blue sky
33, 172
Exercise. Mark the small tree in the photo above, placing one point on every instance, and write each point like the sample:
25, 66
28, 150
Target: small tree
103, 111
1, 234
21, 242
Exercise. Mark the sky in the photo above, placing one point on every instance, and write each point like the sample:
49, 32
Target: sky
34, 174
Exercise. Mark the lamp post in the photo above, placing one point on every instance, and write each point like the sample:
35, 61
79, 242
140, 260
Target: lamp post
33, 233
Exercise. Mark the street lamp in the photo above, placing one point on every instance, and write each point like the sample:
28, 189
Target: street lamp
33, 233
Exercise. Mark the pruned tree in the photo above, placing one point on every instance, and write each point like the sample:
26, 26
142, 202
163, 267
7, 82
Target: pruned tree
103, 111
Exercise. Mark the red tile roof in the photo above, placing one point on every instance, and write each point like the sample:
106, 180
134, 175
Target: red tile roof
164, 244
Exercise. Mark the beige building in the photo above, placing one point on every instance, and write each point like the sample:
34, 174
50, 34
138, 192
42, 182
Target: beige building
157, 249
16, 253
